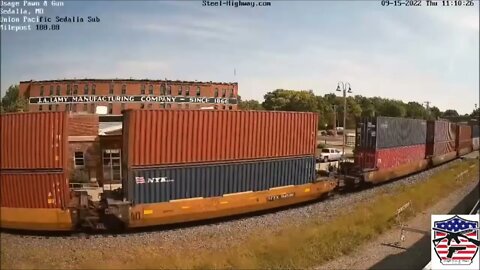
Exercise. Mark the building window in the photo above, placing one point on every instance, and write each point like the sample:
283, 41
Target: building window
110, 108
180, 106
180, 90
79, 159
169, 105
169, 90
231, 93
58, 90
49, 107
216, 92
142, 91
187, 106
198, 106
187, 91
67, 107
149, 105
110, 90
74, 107
142, 106
150, 89
57, 107
112, 165
41, 90
85, 109
224, 92
85, 89
215, 107
230, 107
93, 89
69, 89
122, 106
92, 108
40, 108
75, 89
51, 90
162, 90
162, 105
198, 91
124, 89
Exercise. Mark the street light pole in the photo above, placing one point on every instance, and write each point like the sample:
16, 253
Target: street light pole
344, 89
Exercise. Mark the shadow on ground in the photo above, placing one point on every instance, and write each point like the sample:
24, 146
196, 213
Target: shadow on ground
418, 255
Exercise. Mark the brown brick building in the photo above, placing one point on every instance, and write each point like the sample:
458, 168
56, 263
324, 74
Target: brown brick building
86, 95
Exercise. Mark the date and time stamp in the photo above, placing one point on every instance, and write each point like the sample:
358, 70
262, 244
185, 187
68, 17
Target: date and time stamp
20, 16
428, 3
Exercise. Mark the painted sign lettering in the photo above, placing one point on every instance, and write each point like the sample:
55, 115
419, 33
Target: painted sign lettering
123, 99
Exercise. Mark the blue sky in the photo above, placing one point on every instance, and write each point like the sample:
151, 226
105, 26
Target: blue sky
408, 53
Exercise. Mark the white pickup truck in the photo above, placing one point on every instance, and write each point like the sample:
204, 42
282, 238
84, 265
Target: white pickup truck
330, 154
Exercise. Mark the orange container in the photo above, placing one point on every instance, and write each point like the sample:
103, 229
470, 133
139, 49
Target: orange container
34, 190
161, 137
33, 140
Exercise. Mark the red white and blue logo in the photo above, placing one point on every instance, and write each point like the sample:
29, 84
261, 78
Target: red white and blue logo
455, 240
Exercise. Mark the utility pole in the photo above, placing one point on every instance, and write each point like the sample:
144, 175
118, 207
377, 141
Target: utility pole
344, 89
427, 103
335, 120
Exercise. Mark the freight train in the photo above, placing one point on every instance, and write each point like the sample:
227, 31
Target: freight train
189, 165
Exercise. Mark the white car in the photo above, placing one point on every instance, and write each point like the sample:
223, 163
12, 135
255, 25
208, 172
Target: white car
330, 154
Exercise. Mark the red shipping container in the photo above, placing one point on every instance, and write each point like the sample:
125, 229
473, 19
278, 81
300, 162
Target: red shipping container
464, 137
33, 140
83, 125
389, 158
156, 137
34, 190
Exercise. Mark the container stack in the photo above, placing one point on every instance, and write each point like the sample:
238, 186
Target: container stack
181, 154
441, 139
464, 139
33, 158
475, 137
388, 142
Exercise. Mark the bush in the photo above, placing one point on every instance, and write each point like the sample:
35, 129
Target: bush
321, 145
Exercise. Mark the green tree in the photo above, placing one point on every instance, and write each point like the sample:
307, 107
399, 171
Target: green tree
435, 112
475, 113
290, 100
392, 108
415, 110
250, 105
13, 101
450, 113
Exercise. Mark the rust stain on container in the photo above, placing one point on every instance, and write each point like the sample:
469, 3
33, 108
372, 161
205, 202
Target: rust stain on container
33, 140
157, 137
34, 190
83, 125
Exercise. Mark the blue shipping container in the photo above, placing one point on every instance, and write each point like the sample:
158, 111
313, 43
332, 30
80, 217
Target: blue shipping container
162, 184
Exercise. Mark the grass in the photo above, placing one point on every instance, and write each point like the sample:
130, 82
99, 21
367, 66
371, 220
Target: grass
317, 241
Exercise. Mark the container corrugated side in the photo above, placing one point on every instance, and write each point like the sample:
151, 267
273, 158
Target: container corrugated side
441, 137
440, 131
33, 140
83, 125
151, 185
464, 137
389, 158
34, 190
157, 137
396, 132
